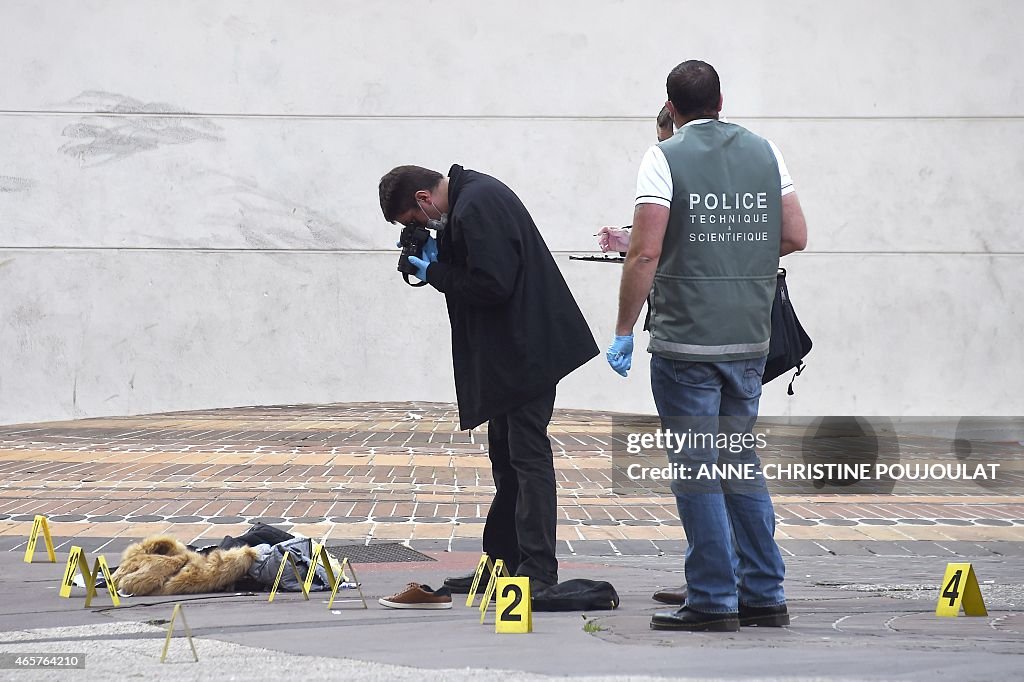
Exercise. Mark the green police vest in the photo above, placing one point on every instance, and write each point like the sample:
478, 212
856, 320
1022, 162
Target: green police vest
715, 283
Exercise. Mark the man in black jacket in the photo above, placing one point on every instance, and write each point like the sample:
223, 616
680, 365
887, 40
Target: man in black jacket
516, 331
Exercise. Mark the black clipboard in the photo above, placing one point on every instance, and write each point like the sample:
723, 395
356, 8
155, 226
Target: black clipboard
600, 258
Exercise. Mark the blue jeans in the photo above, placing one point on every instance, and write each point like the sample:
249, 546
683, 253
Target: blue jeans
728, 522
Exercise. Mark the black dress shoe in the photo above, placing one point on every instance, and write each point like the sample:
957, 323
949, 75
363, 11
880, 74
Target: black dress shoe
669, 595
462, 583
764, 616
695, 621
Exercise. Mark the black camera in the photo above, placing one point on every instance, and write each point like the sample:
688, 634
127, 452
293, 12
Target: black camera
412, 241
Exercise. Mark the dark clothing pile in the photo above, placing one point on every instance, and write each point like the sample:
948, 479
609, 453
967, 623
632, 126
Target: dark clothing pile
272, 544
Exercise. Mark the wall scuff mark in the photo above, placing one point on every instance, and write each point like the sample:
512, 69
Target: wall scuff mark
113, 134
12, 184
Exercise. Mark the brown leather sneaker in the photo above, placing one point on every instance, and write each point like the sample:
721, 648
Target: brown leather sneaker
416, 596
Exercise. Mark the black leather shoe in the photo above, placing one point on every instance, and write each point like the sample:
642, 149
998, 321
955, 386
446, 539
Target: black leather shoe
462, 583
695, 621
675, 596
764, 616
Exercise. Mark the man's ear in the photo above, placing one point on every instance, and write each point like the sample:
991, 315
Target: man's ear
422, 195
721, 98
672, 111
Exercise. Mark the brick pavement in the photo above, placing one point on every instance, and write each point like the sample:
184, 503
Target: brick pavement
403, 472
862, 576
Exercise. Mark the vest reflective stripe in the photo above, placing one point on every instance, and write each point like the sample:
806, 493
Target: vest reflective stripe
715, 281
693, 349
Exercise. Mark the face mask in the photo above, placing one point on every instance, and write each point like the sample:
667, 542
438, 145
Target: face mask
439, 224
436, 224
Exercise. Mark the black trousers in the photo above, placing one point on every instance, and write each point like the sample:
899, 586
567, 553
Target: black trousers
521, 522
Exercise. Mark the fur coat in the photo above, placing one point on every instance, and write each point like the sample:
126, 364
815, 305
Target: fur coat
161, 564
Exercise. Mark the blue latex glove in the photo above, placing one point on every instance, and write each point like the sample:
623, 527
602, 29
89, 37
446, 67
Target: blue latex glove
429, 256
430, 250
620, 354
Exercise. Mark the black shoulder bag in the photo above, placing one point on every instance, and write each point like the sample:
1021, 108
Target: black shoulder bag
789, 343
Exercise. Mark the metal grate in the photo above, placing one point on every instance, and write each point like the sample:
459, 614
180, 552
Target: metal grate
382, 553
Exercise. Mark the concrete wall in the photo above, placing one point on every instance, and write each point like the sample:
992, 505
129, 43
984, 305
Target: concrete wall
188, 204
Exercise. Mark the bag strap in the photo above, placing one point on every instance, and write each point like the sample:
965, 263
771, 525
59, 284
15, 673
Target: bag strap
405, 276
799, 371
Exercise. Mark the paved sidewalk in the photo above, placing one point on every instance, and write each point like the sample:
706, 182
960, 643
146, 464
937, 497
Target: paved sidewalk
854, 618
862, 582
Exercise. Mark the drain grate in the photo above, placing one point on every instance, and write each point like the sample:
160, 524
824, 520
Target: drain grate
382, 553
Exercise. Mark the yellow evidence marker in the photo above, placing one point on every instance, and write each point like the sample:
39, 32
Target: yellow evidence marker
39, 524
288, 559
76, 562
318, 550
514, 606
485, 562
498, 571
346, 568
100, 567
960, 588
178, 608
321, 556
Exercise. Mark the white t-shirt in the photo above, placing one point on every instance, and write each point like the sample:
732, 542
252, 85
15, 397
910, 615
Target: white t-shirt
654, 182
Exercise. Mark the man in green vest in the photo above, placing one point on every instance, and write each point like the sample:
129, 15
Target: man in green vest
715, 209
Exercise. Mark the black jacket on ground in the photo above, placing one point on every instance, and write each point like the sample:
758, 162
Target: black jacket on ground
516, 328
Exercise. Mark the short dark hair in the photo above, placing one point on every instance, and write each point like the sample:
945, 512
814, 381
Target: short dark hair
664, 118
398, 188
694, 89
